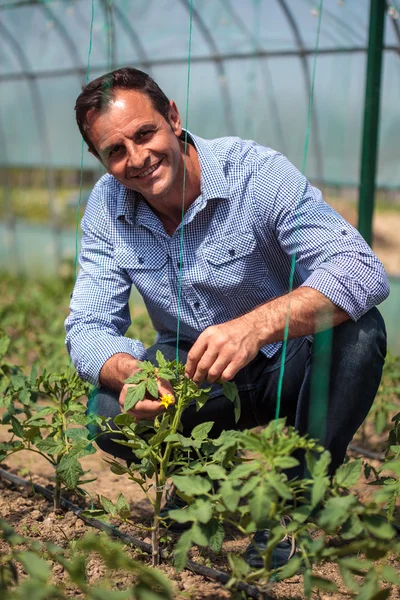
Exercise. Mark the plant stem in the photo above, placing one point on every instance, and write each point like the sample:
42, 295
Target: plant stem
155, 534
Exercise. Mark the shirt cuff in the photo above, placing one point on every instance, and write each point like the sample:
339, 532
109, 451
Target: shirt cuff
343, 290
89, 365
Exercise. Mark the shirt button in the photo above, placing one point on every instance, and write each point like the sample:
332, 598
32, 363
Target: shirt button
178, 264
140, 260
196, 305
231, 252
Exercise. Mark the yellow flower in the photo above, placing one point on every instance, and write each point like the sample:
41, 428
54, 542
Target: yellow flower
166, 400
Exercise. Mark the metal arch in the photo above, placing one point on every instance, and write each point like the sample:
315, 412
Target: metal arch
346, 28
266, 76
41, 122
54, 73
133, 36
108, 7
218, 60
69, 42
307, 80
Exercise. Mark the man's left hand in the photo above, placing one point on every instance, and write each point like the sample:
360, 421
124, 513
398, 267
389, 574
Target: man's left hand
222, 350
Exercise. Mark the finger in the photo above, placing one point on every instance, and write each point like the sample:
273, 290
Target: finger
206, 362
144, 416
215, 371
147, 406
195, 354
230, 371
165, 387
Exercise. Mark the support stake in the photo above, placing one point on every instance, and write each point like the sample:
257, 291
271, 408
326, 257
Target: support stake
371, 119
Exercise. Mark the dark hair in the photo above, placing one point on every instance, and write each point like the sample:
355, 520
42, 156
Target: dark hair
98, 93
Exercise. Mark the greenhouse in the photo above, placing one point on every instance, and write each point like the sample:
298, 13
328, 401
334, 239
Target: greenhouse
317, 81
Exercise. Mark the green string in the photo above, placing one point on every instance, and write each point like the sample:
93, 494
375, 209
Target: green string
78, 210
184, 186
293, 262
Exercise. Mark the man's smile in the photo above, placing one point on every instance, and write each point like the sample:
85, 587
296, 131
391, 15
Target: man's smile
148, 171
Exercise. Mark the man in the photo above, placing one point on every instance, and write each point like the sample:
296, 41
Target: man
247, 213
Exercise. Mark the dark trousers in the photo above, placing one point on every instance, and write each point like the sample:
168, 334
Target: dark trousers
357, 352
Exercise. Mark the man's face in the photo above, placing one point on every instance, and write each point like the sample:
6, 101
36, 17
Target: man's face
137, 145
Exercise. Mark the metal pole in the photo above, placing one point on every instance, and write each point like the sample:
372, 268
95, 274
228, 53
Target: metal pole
371, 119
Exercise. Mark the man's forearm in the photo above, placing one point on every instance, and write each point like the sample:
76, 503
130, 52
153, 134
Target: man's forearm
309, 311
116, 369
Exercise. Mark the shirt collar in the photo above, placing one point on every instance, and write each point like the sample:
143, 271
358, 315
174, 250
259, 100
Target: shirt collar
213, 183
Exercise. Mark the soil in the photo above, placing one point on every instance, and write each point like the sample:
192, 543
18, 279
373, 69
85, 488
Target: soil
34, 517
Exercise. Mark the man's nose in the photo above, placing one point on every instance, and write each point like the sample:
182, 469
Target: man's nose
136, 155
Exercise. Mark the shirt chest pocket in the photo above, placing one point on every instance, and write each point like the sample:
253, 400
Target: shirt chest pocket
147, 267
235, 263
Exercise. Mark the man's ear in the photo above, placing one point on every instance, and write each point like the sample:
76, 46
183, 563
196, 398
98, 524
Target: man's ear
174, 118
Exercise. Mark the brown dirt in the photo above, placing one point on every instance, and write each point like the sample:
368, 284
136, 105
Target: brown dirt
33, 516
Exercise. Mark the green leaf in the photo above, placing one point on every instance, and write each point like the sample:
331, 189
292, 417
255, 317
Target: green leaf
24, 397
276, 482
285, 462
320, 485
76, 433
259, 505
134, 395
216, 535
216, 472
17, 428
181, 554
152, 387
379, 528
203, 510
108, 506
35, 566
160, 359
191, 485
4, 345
239, 566
199, 534
124, 420
291, 568
201, 399
245, 469
165, 373
158, 438
50, 446
230, 495
349, 474
201, 431
70, 470
122, 507
390, 574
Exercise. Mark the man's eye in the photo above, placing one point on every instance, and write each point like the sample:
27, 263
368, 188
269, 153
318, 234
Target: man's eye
115, 150
145, 133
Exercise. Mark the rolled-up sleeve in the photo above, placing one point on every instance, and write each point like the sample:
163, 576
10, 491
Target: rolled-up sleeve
99, 309
331, 256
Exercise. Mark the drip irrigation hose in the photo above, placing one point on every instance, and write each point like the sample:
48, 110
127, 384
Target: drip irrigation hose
368, 453
220, 576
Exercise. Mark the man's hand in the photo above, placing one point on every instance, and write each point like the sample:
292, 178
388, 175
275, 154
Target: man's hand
148, 408
222, 350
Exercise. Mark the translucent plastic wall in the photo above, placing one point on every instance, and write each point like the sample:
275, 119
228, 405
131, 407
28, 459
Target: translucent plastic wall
251, 72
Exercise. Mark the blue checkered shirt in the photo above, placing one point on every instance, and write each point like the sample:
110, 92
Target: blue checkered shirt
255, 211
